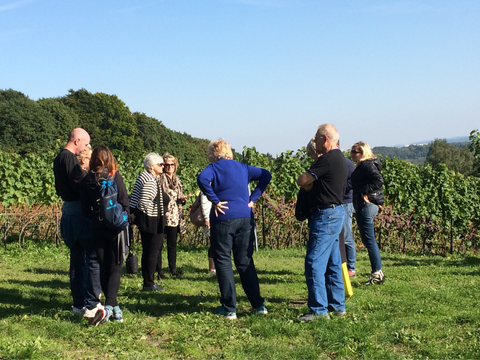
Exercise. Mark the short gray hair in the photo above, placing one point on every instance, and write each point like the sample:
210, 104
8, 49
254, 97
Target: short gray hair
330, 131
311, 147
152, 159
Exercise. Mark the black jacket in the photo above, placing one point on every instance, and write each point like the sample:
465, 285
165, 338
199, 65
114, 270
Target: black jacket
366, 179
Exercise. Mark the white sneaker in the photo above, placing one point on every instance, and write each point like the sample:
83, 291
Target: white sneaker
91, 313
376, 278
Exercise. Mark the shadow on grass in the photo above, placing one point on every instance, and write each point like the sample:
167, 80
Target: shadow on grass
47, 271
469, 261
191, 273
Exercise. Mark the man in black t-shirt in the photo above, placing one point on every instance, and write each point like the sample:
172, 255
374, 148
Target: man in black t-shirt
75, 228
325, 185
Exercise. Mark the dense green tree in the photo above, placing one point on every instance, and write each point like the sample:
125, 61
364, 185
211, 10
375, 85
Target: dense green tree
457, 159
65, 118
25, 126
108, 120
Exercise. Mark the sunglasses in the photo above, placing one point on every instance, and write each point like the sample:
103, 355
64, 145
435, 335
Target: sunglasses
355, 151
169, 164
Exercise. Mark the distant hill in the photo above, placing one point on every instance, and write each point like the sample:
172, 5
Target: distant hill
457, 139
416, 154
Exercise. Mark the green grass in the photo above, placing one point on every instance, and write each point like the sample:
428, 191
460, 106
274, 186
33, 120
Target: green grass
427, 308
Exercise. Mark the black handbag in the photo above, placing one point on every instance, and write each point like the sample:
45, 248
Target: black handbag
376, 197
131, 263
302, 211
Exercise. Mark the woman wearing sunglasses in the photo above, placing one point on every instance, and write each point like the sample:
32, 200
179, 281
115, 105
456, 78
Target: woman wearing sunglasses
367, 195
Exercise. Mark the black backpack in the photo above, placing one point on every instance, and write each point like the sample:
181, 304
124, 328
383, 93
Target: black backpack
112, 213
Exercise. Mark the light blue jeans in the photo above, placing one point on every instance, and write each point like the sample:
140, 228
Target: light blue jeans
349, 242
323, 262
367, 232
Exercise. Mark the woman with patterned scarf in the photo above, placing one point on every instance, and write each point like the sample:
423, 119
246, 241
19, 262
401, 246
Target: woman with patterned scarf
173, 187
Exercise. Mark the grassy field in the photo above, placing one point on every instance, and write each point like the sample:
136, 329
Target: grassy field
427, 308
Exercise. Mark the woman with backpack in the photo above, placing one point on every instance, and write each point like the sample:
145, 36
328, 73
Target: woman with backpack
107, 241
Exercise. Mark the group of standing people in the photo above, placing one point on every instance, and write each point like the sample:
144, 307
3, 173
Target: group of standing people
97, 251
332, 185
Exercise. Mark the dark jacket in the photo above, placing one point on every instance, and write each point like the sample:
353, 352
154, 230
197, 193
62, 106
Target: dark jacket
89, 195
366, 179
348, 198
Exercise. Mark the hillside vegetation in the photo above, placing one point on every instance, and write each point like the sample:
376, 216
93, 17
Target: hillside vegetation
29, 126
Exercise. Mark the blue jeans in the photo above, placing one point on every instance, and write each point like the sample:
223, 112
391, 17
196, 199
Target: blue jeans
367, 232
323, 262
84, 274
349, 242
235, 235
84, 268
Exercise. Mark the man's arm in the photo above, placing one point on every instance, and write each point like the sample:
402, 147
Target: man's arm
306, 180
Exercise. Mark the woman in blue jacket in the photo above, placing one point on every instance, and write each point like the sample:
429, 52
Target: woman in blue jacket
225, 183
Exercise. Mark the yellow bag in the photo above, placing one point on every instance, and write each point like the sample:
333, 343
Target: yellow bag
346, 281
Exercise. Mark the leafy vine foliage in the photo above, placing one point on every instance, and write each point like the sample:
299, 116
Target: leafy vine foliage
428, 209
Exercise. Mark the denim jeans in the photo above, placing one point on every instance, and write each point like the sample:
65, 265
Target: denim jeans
84, 274
323, 263
367, 232
84, 268
349, 242
235, 235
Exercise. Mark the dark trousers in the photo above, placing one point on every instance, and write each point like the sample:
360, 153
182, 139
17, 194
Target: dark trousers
171, 236
108, 255
235, 235
151, 245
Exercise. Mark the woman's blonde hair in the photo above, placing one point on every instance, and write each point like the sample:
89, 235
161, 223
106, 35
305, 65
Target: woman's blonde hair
168, 156
85, 154
365, 150
219, 149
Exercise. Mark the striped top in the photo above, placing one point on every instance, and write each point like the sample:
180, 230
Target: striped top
144, 195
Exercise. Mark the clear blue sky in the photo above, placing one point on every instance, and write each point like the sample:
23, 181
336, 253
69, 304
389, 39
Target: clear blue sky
259, 73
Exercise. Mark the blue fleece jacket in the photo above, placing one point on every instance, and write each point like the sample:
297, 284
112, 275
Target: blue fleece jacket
227, 180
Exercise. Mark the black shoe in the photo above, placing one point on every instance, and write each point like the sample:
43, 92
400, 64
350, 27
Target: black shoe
176, 274
155, 287
161, 275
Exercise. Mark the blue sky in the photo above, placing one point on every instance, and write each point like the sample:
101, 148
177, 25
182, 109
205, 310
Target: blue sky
258, 73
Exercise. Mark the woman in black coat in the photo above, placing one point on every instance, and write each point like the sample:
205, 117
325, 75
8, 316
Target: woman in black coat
367, 190
108, 243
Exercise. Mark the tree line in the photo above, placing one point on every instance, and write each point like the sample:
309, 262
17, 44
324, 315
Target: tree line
28, 126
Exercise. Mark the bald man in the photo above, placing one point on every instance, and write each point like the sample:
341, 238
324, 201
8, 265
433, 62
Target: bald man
75, 228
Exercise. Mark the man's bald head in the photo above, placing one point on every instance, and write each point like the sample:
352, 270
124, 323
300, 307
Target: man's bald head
78, 141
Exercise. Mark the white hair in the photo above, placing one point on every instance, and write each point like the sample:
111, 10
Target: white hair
152, 159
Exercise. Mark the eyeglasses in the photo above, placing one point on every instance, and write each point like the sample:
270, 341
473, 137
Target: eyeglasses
353, 151
169, 165
161, 164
